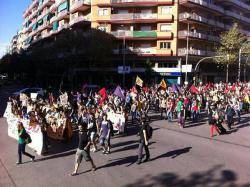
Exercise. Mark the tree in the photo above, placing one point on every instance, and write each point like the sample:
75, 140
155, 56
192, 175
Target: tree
230, 44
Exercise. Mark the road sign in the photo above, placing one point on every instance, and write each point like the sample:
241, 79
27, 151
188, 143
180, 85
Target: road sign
123, 69
186, 68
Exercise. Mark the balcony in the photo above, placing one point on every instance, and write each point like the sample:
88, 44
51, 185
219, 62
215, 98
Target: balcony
195, 17
81, 5
138, 51
62, 14
44, 26
237, 16
204, 3
194, 52
184, 34
79, 19
139, 17
239, 4
45, 35
53, 7
141, 2
61, 27
46, 3
135, 35
53, 19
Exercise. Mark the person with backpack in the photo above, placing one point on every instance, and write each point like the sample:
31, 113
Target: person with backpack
145, 134
23, 139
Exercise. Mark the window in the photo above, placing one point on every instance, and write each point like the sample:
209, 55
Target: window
146, 28
103, 12
165, 45
166, 10
166, 27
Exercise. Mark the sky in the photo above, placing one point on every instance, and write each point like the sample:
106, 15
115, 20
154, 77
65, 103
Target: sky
11, 18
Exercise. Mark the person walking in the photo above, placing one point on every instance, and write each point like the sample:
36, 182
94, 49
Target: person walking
105, 135
83, 149
143, 143
22, 137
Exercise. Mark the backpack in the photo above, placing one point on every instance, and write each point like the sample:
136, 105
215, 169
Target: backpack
149, 131
27, 138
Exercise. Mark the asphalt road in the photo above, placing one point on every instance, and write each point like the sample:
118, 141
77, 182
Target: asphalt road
179, 157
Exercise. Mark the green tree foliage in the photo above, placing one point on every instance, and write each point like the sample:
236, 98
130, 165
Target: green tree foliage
230, 44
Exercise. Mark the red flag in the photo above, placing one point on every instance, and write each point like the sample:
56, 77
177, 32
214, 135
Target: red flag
134, 90
233, 87
206, 87
103, 94
193, 89
146, 89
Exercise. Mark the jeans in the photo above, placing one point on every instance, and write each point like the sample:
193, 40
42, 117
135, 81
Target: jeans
238, 114
170, 115
21, 150
194, 116
140, 150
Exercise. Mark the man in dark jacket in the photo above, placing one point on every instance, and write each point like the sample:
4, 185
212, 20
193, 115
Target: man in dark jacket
143, 143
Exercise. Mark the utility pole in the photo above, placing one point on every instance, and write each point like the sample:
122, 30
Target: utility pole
187, 52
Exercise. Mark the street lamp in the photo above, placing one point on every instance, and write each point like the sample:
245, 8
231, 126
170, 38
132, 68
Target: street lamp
240, 51
123, 58
187, 50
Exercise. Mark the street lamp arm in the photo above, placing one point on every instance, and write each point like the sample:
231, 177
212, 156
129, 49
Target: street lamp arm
205, 58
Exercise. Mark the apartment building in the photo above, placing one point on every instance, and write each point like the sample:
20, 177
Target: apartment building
165, 32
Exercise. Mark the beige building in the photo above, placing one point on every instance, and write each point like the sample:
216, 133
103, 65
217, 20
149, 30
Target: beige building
165, 32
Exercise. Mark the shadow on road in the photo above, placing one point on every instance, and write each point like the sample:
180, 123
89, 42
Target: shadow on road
173, 153
215, 176
120, 161
129, 147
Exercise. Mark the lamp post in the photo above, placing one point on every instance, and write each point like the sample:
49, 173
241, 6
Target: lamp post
240, 51
187, 50
245, 69
123, 57
205, 58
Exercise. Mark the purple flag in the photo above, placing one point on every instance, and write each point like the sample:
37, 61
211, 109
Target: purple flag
176, 88
119, 92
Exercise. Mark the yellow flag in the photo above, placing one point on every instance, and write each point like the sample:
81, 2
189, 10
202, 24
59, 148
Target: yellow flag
139, 81
163, 84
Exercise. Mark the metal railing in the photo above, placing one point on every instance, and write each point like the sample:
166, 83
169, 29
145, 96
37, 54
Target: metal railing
133, 16
196, 52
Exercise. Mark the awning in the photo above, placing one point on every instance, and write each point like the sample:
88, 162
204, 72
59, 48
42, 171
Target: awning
55, 25
29, 39
40, 2
45, 18
34, 27
40, 22
62, 6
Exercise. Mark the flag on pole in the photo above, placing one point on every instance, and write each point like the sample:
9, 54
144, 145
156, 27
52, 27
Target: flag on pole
163, 84
119, 92
193, 89
139, 81
103, 94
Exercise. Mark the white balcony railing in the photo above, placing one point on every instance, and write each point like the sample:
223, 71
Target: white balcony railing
139, 51
78, 19
62, 14
79, 3
133, 16
61, 27
196, 17
196, 52
122, 33
240, 3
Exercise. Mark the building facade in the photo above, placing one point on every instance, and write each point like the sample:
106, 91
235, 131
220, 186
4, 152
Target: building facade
168, 33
